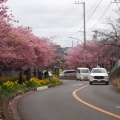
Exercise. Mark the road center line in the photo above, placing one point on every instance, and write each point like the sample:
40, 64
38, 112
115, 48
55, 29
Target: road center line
92, 106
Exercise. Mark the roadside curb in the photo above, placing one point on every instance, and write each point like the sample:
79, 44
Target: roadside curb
6, 110
46, 87
42, 88
9, 105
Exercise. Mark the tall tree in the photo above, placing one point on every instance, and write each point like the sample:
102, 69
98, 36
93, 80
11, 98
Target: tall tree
19, 47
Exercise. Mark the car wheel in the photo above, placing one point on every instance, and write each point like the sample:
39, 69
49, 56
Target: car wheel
90, 83
107, 83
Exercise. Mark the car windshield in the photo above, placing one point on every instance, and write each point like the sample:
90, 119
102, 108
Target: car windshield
84, 71
98, 71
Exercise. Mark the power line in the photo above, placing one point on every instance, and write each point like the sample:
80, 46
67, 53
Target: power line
92, 13
95, 25
77, 20
69, 24
116, 1
94, 10
61, 17
72, 23
92, 7
86, 12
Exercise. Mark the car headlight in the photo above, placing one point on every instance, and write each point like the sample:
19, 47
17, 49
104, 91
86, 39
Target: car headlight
91, 76
106, 77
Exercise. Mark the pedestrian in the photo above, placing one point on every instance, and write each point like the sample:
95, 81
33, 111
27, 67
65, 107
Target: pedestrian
34, 73
46, 74
28, 73
40, 74
20, 79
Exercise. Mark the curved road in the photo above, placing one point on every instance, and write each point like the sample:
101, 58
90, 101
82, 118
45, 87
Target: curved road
74, 100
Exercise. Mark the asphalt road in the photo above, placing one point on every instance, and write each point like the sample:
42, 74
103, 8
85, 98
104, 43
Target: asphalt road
74, 100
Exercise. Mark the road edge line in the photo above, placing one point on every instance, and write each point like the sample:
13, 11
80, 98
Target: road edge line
92, 106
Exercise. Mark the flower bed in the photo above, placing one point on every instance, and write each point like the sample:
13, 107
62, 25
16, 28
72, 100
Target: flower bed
8, 87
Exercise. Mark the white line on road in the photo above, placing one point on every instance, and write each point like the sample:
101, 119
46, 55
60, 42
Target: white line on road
76, 84
117, 107
65, 80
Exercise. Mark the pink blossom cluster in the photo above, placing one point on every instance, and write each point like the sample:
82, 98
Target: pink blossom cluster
19, 47
96, 53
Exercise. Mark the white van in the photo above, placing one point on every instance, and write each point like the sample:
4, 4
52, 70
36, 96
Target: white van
82, 73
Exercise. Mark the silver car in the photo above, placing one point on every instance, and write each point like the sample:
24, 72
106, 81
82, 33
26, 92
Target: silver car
67, 73
99, 75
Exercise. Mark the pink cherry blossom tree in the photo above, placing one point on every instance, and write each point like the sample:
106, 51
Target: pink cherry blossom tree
22, 48
20, 40
44, 50
75, 57
96, 53
109, 55
19, 47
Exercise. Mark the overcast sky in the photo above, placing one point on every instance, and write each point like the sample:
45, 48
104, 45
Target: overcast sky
61, 19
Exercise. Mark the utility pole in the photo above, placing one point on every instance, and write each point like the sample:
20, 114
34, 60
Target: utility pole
84, 21
28, 28
95, 37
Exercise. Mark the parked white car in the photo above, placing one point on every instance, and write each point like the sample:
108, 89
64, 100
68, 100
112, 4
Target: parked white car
49, 73
82, 73
99, 75
67, 73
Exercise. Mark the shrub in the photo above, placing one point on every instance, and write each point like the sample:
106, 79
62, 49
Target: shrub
54, 80
8, 86
4, 79
11, 87
116, 82
34, 82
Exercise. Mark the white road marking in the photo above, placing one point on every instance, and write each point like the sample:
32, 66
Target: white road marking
117, 107
65, 80
42, 88
76, 84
